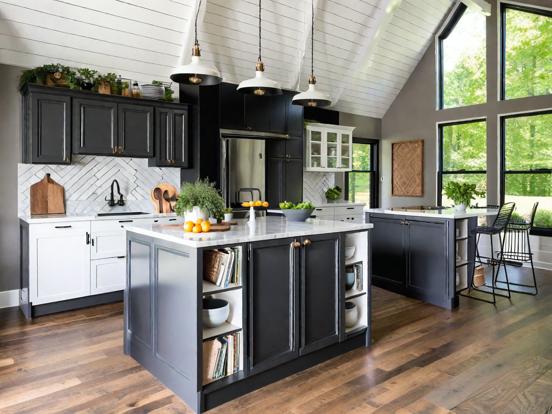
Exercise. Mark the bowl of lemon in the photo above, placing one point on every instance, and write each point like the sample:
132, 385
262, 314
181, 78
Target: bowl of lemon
198, 226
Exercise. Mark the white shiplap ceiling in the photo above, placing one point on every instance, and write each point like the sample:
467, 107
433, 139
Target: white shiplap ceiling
365, 50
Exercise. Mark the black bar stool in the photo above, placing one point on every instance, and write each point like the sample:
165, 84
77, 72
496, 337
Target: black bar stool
498, 227
517, 250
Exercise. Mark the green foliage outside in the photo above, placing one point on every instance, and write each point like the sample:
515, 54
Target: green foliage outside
528, 138
359, 182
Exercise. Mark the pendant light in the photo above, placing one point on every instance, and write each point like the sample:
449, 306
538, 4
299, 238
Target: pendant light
312, 97
260, 85
196, 72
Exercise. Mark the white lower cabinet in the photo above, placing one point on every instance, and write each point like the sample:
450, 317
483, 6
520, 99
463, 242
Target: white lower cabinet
107, 275
59, 261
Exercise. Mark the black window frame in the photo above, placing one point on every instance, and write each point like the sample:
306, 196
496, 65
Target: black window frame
440, 171
444, 33
374, 170
503, 8
537, 231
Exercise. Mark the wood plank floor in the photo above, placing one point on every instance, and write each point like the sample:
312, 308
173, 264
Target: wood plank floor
477, 359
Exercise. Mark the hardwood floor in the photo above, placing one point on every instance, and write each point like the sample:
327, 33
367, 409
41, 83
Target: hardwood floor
477, 359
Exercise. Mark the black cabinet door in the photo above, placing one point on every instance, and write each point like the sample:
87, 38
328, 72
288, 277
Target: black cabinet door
275, 168
50, 129
135, 137
293, 185
319, 288
427, 277
273, 304
257, 112
231, 107
172, 138
388, 253
294, 117
294, 147
94, 127
278, 114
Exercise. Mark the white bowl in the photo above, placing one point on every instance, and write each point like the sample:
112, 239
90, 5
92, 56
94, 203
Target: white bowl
351, 314
349, 252
215, 312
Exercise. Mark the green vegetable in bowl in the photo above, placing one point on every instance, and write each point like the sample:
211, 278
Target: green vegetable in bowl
288, 205
333, 193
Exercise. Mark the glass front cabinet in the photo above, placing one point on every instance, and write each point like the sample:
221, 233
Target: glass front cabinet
329, 147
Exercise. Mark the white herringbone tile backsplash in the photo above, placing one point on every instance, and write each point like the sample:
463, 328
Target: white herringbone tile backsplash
315, 185
87, 182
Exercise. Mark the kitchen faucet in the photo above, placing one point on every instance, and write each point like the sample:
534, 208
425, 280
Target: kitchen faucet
111, 200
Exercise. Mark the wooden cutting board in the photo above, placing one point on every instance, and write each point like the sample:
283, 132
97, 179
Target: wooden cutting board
47, 197
159, 203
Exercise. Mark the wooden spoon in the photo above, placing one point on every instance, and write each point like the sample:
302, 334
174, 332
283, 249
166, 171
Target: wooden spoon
169, 199
158, 195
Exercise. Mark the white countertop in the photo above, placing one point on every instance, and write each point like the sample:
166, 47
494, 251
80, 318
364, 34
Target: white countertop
448, 213
56, 218
265, 228
340, 204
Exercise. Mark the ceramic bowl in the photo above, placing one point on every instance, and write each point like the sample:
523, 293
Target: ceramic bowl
297, 215
351, 314
215, 312
349, 280
349, 252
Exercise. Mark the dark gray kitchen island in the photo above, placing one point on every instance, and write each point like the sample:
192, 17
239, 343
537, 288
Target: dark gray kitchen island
287, 303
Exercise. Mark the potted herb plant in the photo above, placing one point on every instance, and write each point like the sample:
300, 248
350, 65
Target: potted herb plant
105, 83
462, 194
228, 214
333, 194
199, 200
86, 78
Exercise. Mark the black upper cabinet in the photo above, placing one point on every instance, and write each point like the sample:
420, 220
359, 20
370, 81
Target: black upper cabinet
294, 116
172, 138
135, 138
273, 304
319, 292
46, 128
284, 180
293, 187
232, 107
94, 127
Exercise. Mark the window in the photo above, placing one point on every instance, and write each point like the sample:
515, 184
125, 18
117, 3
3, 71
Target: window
361, 184
462, 63
526, 57
463, 157
527, 166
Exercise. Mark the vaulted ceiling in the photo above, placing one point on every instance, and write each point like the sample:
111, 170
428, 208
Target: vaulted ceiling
365, 50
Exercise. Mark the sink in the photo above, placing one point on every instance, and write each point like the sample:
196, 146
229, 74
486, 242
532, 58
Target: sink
122, 213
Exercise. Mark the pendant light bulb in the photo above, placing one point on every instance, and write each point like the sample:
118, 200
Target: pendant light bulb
196, 72
312, 97
260, 85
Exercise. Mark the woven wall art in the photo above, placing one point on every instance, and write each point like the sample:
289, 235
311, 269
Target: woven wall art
408, 168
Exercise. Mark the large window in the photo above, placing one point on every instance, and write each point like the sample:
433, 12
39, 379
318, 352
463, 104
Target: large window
526, 51
463, 157
462, 67
361, 184
527, 166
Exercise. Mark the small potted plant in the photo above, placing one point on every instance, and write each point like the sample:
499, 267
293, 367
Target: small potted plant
125, 91
228, 215
462, 194
333, 194
105, 83
86, 78
199, 200
59, 75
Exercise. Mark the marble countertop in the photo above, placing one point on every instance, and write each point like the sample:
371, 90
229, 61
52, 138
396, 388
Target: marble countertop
448, 213
340, 204
265, 228
57, 218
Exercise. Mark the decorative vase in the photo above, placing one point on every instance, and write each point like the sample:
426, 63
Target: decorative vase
460, 208
104, 88
194, 214
351, 314
56, 79
252, 215
228, 217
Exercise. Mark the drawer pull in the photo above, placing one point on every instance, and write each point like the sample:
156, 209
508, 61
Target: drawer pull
121, 257
126, 221
63, 227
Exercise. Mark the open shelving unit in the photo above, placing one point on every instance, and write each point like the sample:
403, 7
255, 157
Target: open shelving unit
461, 254
234, 295
358, 263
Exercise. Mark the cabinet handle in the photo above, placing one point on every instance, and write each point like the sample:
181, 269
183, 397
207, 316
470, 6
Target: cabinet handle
295, 244
126, 221
92, 241
87, 238
307, 243
121, 257
63, 227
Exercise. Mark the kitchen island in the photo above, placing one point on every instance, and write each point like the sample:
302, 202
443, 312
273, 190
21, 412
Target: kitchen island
290, 299
424, 253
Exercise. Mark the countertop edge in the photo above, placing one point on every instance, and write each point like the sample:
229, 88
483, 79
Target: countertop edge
432, 213
65, 218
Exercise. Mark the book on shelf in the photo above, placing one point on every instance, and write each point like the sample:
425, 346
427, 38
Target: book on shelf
221, 357
359, 280
222, 266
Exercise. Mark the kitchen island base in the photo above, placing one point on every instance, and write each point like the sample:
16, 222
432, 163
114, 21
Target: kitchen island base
286, 298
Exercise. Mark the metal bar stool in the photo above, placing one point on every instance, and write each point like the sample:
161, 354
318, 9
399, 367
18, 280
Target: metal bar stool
498, 227
517, 250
